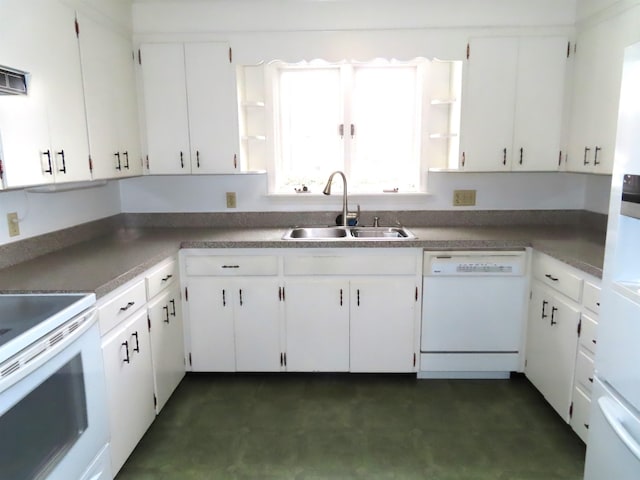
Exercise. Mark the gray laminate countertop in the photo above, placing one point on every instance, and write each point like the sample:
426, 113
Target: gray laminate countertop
102, 264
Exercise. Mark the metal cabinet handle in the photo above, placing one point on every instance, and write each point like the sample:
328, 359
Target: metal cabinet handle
137, 348
164, 279
173, 307
553, 313
181, 160
240, 291
358, 295
125, 344
224, 298
230, 266
198, 158
48, 155
127, 306
166, 313
521, 154
118, 164
504, 156
340, 297
595, 156
544, 306
64, 163
126, 160
586, 153
551, 277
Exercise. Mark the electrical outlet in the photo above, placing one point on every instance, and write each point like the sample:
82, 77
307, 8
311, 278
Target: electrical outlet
14, 226
231, 199
464, 198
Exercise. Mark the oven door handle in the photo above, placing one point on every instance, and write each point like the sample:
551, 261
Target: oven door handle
37, 354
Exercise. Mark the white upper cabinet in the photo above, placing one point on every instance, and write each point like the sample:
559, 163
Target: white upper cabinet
512, 104
43, 134
110, 96
488, 96
190, 108
598, 73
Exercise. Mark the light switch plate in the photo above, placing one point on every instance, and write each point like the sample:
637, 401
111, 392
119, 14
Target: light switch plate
464, 198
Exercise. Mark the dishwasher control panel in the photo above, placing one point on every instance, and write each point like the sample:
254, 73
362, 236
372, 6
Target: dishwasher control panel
474, 263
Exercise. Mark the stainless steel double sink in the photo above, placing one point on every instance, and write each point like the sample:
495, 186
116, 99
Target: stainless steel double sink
348, 233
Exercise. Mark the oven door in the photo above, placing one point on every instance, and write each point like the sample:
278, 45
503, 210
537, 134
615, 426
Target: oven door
53, 421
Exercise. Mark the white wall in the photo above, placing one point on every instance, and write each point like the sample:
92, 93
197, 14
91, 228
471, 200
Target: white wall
500, 191
40, 213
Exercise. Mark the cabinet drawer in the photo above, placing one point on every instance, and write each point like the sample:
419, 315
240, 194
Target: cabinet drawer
350, 265
580, 413
121, 306
558, 276
161, 277
588, 333
221, 266
584, 371
591, 297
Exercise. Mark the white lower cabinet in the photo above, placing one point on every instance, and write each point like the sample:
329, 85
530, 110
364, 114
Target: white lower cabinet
551, 347
317, 324
303, 310
126, 352
167, 343
561, 338
382, 327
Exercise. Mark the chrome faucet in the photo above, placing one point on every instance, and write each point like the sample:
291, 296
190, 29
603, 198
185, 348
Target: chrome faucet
327, 191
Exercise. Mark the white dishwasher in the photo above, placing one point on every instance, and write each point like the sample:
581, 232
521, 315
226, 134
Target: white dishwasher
474, 309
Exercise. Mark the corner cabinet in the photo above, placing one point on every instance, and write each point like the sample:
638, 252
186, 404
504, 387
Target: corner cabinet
512, 104
561, 338
303, 310
190, 108
43, 134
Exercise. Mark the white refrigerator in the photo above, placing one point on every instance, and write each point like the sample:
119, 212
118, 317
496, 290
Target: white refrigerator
613, 446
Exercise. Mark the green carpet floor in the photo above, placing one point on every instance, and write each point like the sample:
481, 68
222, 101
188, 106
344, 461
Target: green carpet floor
319, 426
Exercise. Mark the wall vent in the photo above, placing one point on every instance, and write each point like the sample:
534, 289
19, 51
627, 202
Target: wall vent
12, 82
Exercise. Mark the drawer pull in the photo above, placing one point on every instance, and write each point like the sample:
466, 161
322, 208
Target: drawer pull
551, 277
166, 312
173, 307
127, 306
553, 313
230, 266
544, 306
167, 278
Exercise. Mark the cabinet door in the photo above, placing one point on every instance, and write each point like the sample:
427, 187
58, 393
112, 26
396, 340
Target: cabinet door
552, 340
542, 62
317, 325
126, 353
211, 324
165, 104
65, 98
489, 93
213, 110
109, 85
257, 324
383, 325
167, 344
98, 57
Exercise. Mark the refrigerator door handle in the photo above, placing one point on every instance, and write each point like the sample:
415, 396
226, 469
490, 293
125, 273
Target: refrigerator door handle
608, 409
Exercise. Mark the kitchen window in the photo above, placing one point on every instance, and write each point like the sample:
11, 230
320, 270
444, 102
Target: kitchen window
371, 120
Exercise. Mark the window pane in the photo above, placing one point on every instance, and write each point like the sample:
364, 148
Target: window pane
384, 150
310, 115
